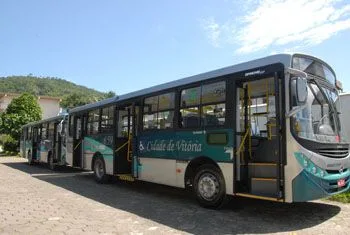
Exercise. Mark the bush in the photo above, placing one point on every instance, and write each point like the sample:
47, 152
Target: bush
9, 143
343, 197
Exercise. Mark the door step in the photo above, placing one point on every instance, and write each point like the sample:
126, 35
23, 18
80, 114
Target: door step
262, 170
125, 177
259, 197
264, 186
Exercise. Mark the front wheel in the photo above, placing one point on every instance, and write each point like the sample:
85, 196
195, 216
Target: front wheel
100, 171
209, 186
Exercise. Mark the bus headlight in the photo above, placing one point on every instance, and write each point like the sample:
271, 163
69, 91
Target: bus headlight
305, 163
322, 173
314, 170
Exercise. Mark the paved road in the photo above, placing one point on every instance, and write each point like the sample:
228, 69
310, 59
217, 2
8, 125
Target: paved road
35, 200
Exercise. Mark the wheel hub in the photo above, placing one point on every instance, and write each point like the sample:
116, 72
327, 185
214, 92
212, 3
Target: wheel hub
208, 186
99, 169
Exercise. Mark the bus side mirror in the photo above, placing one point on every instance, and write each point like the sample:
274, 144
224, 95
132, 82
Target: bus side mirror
298, 91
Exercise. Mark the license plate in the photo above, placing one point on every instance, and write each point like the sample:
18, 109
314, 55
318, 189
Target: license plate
341, 182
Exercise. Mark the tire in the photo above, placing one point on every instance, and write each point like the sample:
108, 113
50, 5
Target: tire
209, 186
30, 158
50, 162
100, 171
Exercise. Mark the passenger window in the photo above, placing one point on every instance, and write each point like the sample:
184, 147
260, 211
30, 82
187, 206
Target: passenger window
203, 106
158, 111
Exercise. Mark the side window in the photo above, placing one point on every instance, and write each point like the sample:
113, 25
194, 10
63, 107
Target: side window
189, 108
107, 119
29, 133
93, 122
203, 106
50, 131
158, 111
213, 104
70, 125
44, 131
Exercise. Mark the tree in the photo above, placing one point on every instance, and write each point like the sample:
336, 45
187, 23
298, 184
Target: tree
19, 112
74, 100
110, 94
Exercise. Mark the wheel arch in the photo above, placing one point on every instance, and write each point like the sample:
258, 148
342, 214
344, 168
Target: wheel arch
193, 166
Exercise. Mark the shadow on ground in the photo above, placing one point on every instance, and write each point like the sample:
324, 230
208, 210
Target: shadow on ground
176, 208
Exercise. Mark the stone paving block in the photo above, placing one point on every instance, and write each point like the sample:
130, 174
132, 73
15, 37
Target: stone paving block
35, 200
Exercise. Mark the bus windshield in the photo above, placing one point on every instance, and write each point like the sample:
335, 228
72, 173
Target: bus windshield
319, 119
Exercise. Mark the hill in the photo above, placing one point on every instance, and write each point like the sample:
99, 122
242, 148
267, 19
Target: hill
71, 93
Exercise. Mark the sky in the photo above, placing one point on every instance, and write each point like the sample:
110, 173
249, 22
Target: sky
124, 46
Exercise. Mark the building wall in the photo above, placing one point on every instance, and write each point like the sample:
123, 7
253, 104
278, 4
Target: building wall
50, 106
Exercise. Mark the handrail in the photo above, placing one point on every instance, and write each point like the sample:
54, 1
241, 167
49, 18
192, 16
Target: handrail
127, 143
118, 149
242, 142
77, 145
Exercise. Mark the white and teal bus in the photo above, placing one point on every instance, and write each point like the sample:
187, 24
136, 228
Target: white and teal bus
266, 129
45, 142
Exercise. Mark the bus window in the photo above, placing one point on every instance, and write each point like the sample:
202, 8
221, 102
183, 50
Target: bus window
190, 100
107, 119
213, 104
159, 111
93, 122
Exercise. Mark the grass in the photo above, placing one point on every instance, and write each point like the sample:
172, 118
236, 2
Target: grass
343, 197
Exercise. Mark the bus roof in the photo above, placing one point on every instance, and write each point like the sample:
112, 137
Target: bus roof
59, 117
285, 59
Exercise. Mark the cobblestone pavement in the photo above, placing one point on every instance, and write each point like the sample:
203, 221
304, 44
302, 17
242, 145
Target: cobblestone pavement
35, 200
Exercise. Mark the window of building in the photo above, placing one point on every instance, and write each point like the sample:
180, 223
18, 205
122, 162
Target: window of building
158, 111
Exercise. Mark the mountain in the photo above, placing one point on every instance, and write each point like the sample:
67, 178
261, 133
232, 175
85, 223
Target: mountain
71, 94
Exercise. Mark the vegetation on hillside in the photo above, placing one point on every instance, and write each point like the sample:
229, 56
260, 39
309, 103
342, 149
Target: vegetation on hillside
72, 95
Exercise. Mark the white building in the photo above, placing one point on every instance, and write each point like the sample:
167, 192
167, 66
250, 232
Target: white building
50, 106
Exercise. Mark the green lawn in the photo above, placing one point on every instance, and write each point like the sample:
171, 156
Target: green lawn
344, 197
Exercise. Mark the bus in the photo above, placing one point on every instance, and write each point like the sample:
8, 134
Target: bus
45, 142
344, 99
267, 129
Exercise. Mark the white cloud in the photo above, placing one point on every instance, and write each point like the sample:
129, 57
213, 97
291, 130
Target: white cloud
212, 29
283, 22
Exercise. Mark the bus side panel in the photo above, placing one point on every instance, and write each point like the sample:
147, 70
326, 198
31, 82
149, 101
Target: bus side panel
161, 171
164, 156
102, 144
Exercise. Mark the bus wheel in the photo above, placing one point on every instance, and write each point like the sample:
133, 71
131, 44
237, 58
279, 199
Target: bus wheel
30, 158
50, 162
209, 186
100, 171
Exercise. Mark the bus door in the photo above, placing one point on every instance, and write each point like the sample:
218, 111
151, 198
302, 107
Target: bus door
126, 132
258, 151
78, 127
57, 143
35, 143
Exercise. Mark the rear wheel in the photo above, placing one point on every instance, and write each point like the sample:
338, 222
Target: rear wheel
100, 171
30, 157
209, 186
51, 162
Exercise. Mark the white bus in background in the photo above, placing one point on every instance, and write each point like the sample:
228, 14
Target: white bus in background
345, 114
